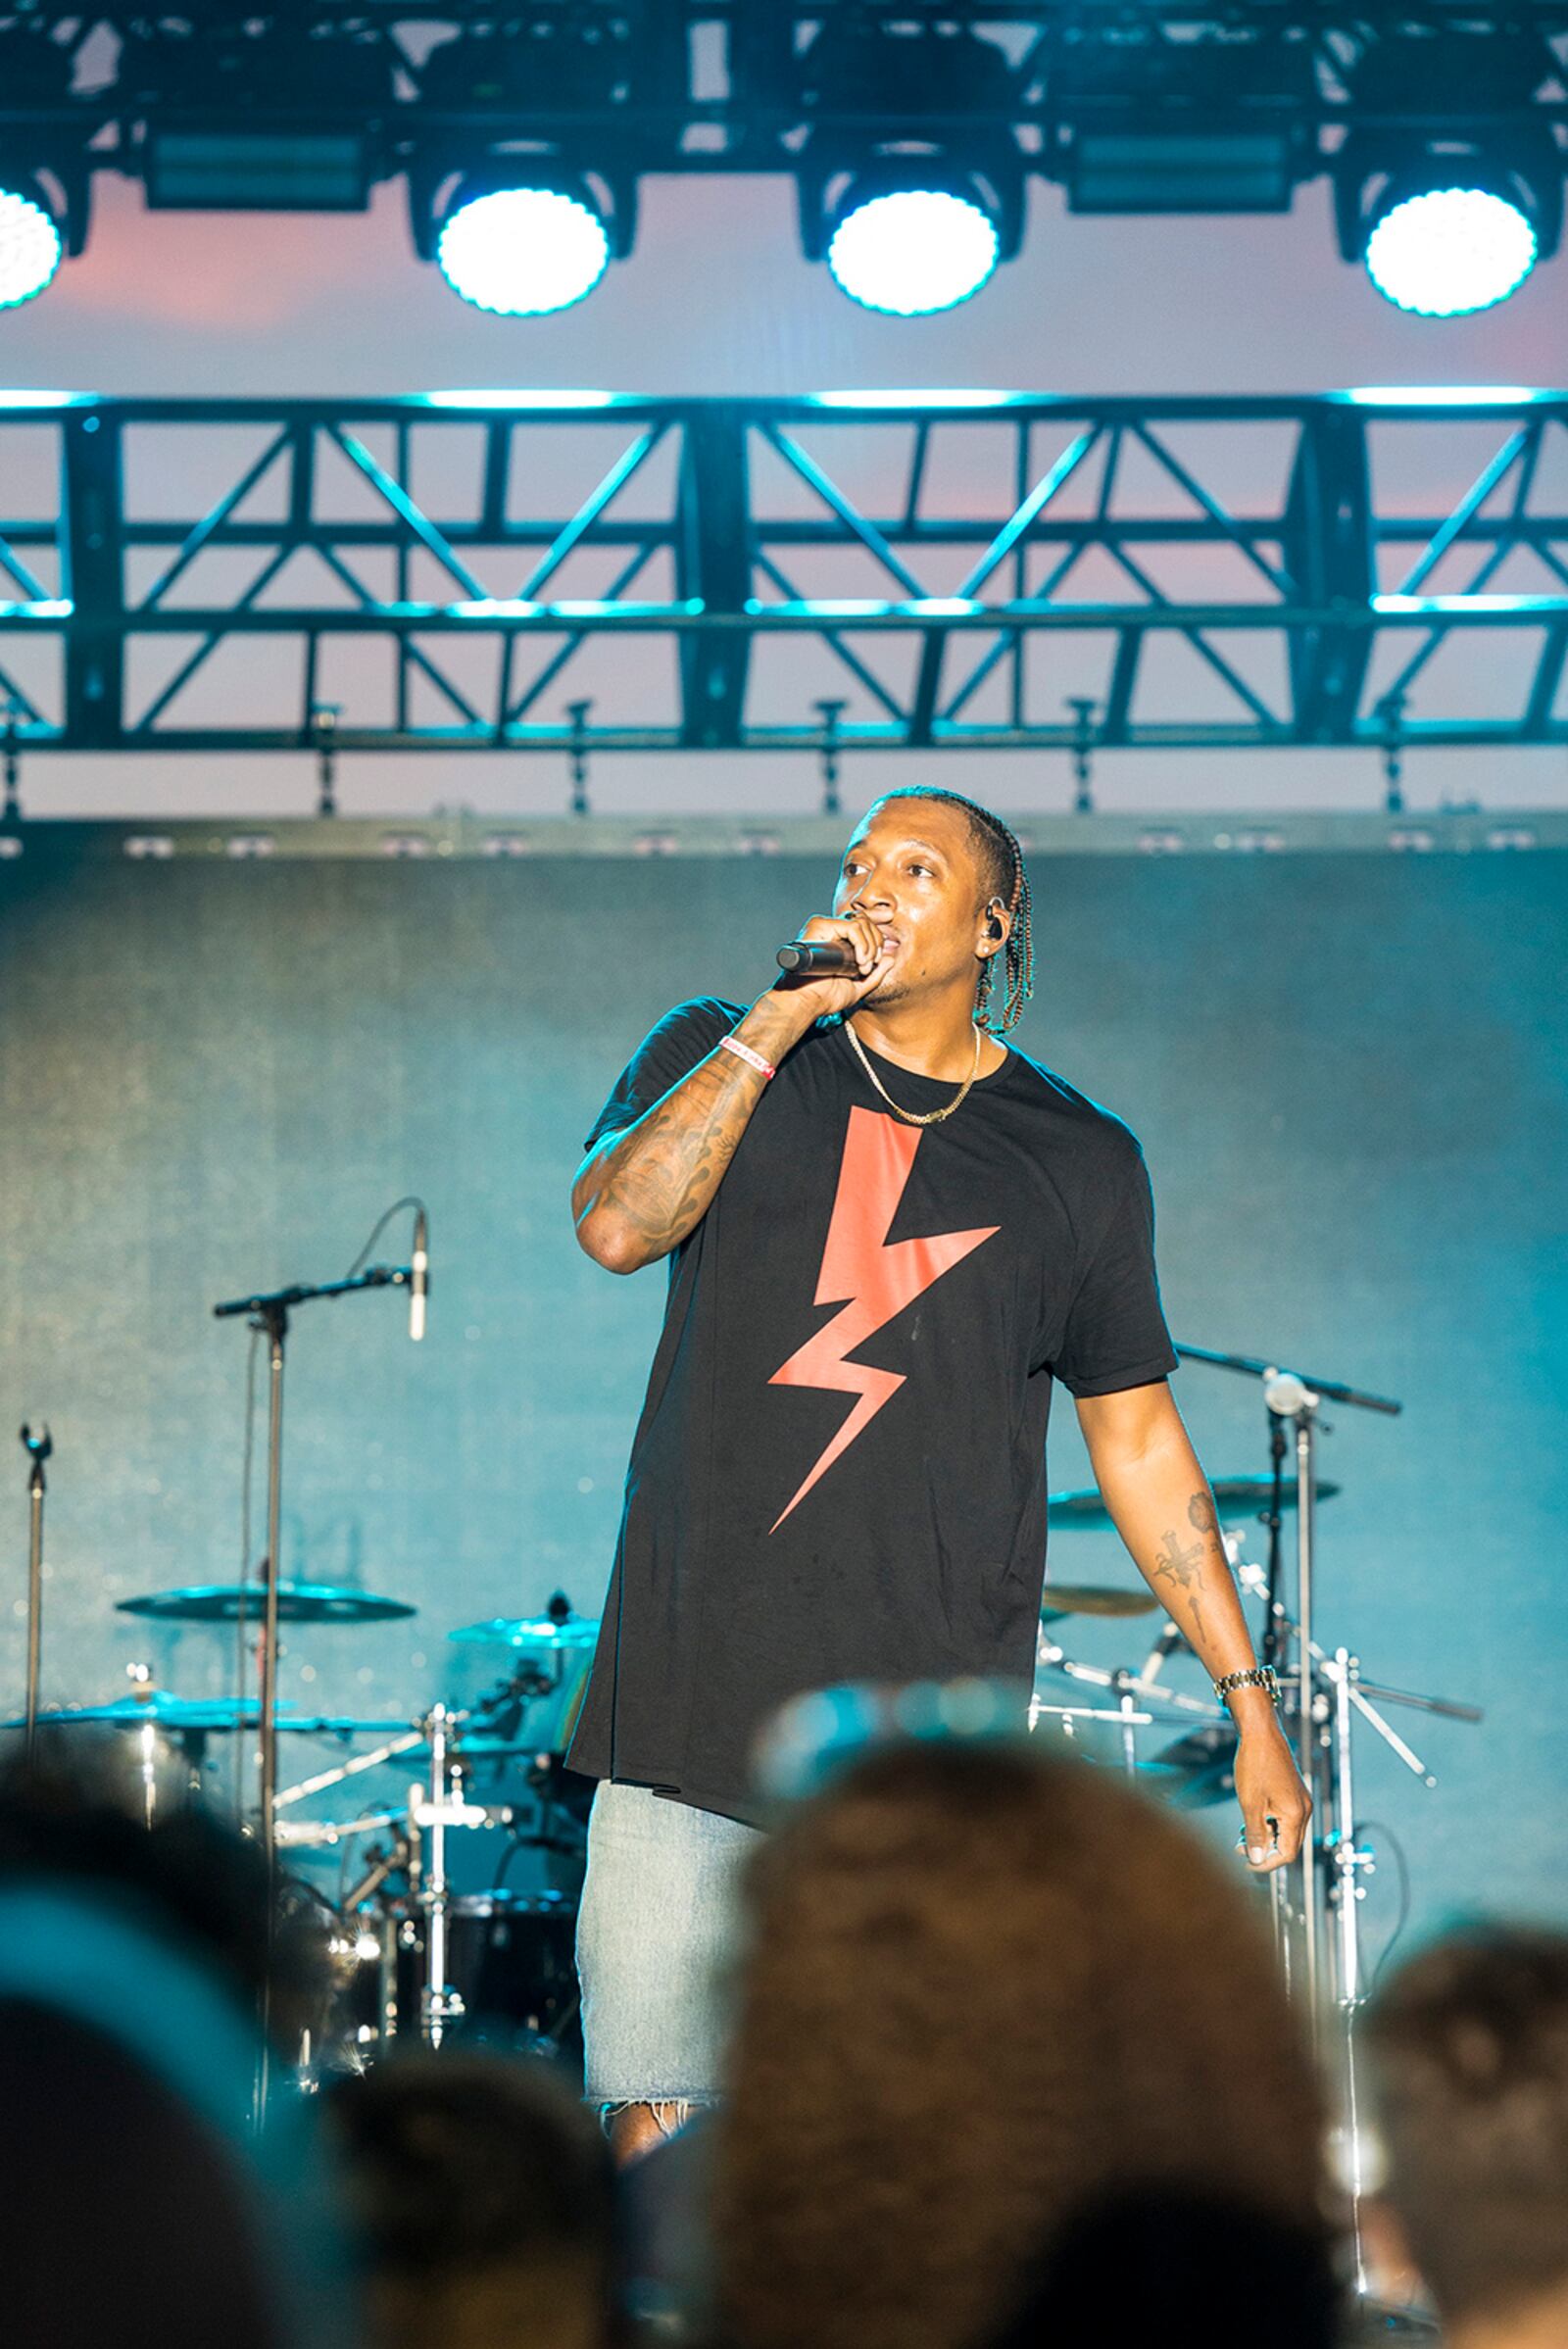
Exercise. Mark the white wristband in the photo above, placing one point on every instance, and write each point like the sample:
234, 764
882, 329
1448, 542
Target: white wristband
743, 1051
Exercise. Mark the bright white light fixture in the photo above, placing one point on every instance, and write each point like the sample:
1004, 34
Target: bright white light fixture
914, 251
1447, 251
29, 249
523, 252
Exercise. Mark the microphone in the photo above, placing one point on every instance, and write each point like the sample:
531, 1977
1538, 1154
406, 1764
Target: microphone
418, 1275
817, 959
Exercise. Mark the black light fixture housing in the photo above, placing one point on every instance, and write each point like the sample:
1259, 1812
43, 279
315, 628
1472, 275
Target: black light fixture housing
508, 106
256, 116
950, 93
1143, 123
1454, 110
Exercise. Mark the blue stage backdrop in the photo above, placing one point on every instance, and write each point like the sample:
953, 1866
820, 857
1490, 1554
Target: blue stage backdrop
1348, 1071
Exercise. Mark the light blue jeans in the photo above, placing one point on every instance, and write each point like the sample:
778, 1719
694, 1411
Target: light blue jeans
656, 1941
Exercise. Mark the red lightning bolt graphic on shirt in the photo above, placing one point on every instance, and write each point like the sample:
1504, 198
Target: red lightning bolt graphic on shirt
876, 1280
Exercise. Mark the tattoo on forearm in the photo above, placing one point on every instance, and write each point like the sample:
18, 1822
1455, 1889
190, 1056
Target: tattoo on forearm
1182, 1563
679, 1152
1200, 1513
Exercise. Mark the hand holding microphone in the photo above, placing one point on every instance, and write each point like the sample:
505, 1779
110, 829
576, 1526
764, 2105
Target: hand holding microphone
837, 961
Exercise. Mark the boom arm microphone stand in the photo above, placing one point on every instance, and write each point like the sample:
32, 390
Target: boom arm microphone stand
270, 1312
37, 1448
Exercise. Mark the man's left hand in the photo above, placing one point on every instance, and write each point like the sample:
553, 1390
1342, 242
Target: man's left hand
1275, 1805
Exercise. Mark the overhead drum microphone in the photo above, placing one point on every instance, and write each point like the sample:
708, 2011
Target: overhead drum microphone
418, 1275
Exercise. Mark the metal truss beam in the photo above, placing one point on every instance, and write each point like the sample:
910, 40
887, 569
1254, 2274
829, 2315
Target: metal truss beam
962, 570
715, 85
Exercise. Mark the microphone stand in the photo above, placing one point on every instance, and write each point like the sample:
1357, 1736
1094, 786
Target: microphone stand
269, 1311
37, 1447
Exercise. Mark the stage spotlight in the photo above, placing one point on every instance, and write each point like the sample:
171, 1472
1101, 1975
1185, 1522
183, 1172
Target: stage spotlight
910, 178
913, 250
1450, 190
522, 252
31, 246
1445, 252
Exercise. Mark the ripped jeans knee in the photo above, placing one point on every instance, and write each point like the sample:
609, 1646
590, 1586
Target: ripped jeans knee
668, 2114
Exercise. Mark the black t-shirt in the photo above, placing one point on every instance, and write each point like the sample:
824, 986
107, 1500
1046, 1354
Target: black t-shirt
838, 1472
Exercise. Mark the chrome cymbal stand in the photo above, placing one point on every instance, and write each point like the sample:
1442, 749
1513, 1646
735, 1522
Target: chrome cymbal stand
1339, 1699
1291, 1401
37, 1447
440, 2001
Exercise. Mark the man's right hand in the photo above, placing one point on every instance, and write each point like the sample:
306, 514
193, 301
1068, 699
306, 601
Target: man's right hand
873, 951
640, 1192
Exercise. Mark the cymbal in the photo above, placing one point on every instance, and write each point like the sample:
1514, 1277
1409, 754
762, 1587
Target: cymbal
1093, 1598
157, 1709
297, 1602
1234, 1495
161, 1710
549, 1633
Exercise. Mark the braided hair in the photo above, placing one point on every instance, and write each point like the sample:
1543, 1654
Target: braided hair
1001, 870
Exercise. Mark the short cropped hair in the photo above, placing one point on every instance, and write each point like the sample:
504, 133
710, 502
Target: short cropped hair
1469, 2052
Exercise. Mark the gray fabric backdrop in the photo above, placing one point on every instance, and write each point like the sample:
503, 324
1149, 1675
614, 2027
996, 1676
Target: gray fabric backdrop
1348, 1072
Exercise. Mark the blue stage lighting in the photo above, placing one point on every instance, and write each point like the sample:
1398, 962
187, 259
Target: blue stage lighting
914, 250
29, 248
523, 251
1445, 251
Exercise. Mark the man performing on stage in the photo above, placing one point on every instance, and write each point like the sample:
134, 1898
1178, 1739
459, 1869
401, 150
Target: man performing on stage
890, 1235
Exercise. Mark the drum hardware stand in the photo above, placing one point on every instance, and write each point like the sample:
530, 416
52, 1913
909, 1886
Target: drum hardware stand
1139, 1684
312, 1835
38, 1448
440, 2002
270, 1312
373, 1760
1325, 1694
1336, 1695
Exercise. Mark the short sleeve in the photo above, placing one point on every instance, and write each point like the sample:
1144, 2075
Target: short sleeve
1116, 1335
672, 1050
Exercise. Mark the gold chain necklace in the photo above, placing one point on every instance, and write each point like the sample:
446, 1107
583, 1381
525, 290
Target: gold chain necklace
933, 1118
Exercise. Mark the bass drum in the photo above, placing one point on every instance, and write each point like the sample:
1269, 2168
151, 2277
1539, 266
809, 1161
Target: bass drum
510, 1958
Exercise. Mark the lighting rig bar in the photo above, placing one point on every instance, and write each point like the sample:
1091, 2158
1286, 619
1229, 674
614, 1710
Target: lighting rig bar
970, 571
524, 132
762, 74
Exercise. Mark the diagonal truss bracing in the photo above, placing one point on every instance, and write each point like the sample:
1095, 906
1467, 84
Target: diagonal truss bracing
959, 570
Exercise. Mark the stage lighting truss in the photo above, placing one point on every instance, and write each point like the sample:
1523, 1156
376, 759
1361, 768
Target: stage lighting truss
964, 571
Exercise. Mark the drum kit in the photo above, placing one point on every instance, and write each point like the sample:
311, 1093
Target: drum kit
416, 1943
430, 1937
